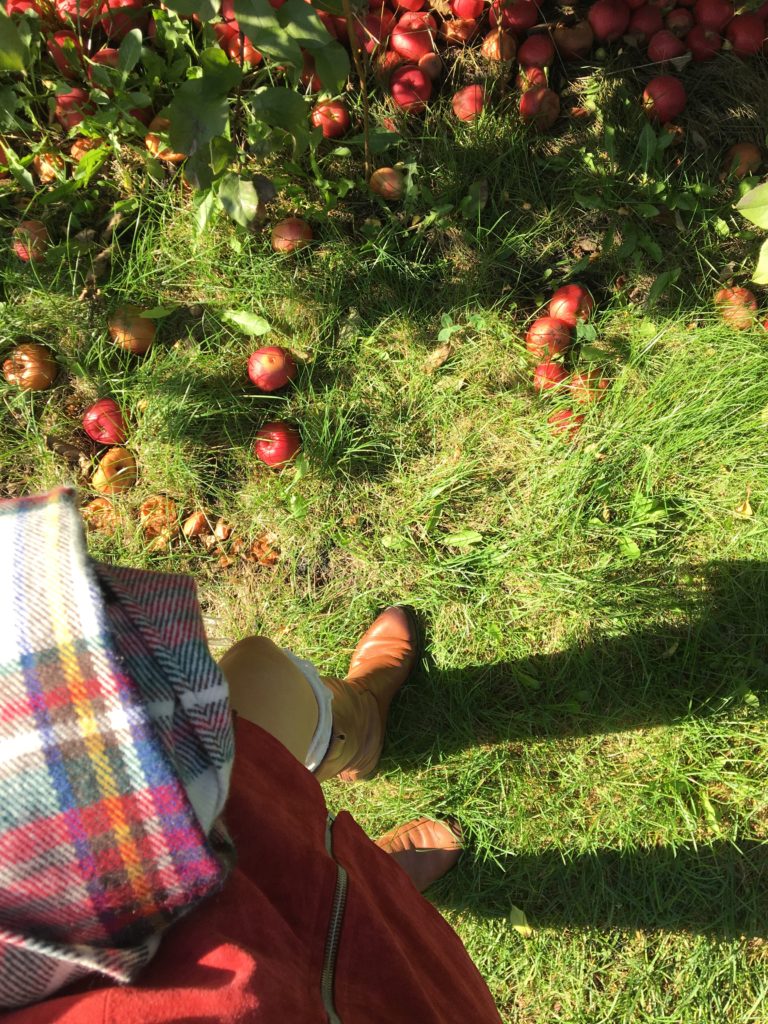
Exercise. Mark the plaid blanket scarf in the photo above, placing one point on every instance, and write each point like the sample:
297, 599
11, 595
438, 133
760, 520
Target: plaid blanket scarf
115, 753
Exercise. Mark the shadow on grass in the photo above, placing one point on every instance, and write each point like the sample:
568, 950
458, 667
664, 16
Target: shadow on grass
717, 660
720, 889
711, 665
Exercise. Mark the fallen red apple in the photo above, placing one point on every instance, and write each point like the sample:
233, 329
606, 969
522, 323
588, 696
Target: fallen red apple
746, 34
48, 167
277, 443
679, 21
664, 98
458, 31
645, 22
570, 303
518, 17
664, 46
547, 376
103, 422
332, 118
291, 234
309, 77
156, 146
574, 42
540, 108
609, 19
412, 42
132, 331
468, 8
468, 102
703, 43
271, 367
78, 12
432, 65
713, 14
410, 5
531, 78
548, 337
410, 88
66, 52
565, 422
120, 16
107, 57
588, 387
72, 107
30, 240
737, 306
499, 45
388, 183
31, 367
116, 472
742, 159
536, 52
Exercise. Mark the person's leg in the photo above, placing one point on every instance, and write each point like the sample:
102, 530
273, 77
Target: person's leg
269, 688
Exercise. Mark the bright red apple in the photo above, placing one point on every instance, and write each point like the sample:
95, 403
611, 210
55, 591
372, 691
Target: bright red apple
104, 422
547, 376
548, 337
737, 306
565, 422
291, 234
72, 107
468, 102
570, 303
277, 443
536, 52
271, 368
410, 88
664, 98
332, 118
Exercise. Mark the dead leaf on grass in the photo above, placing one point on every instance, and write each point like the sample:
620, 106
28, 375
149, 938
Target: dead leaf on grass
196, 525
222, 530
439, 357
744, 510
519, 922
265, 550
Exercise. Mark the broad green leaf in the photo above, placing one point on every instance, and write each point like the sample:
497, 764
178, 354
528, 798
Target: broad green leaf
760, 275
249, 323
258, 20
463, 539
332, 6
221, 74
13, 50
301, 23
331, 64
129, 54
754, 205
196, 116
281, 108
19, 171
239, 198
204, 9
206, 208
9, 101
662, 282
629, 549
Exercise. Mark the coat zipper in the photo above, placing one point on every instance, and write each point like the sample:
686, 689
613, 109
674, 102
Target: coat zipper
334, 931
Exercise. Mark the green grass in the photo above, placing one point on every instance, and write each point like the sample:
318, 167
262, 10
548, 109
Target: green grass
592, 701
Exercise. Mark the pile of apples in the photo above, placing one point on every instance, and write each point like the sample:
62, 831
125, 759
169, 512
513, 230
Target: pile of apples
549, 339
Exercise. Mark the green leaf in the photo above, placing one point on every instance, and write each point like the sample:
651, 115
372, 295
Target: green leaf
331, 64
629, 549
463, 539
221, 74
760, 275
129, 53
239, 198
249, 323
300, 21
258, 20
206, 208
280, 108
662, 282
196, 116
204, 9
9, 101
754, 205
13, 50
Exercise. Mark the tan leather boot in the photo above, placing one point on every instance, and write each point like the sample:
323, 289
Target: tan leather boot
383, 660
425, 849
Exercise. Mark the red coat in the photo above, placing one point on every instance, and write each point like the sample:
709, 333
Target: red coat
258, 951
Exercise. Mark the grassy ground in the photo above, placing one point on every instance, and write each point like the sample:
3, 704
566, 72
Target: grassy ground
592, 702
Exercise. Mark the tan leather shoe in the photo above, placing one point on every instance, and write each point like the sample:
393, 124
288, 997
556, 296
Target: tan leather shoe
383, 660
425, 849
